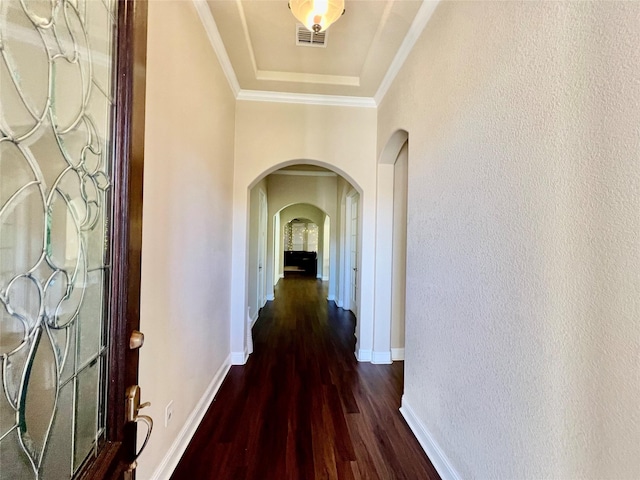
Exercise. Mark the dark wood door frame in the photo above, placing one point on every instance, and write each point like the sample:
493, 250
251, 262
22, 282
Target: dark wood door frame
126, 236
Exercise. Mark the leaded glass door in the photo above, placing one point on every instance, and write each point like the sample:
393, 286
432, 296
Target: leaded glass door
58, 115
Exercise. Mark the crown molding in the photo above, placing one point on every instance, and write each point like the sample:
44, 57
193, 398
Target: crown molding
417, 27
422, 18
215, 39
306, 98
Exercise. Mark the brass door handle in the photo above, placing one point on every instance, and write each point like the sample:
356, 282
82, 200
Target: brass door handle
149, 422
133, 408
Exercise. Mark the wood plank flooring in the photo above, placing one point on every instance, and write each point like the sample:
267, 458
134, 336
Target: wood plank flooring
303, 407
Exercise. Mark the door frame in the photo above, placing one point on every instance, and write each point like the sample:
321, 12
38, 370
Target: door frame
126, 237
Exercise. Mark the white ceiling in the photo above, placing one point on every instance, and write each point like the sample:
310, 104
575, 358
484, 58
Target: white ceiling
363, 49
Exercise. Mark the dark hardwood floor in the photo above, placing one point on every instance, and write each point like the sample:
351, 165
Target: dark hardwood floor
303, 407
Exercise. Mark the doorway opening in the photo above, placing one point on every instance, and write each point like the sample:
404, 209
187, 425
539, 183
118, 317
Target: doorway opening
300, 252
391, 240
399, 253
306, 235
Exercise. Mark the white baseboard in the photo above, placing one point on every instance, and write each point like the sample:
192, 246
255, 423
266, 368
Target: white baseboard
271, 297
171, 459
282, 275
253, 319
239, 358
363, 355
397, 354
383, 357
429, 445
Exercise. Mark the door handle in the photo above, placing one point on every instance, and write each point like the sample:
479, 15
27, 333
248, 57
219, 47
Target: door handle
133, 408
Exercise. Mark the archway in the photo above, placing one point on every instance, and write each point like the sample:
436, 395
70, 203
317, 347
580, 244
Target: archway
298, 215
311, 177
389, 280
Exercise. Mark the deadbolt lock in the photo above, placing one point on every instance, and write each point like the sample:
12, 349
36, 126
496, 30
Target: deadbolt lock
136, 340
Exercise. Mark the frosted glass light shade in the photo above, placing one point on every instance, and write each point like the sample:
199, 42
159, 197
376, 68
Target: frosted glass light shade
317, 15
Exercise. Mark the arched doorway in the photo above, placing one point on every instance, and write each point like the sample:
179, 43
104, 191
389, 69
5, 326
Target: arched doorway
299, 191
390, 276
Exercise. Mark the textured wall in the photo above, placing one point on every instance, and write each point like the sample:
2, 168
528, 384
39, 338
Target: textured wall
523, 289
186, 260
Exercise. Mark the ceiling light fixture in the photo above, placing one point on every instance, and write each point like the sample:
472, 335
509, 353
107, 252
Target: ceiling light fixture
317, 15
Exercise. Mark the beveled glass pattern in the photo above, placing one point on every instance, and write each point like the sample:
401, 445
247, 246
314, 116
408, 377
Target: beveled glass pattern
56, 106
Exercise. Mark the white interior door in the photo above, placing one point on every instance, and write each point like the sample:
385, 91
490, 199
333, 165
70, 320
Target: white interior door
353, 254
277, 239
262, 249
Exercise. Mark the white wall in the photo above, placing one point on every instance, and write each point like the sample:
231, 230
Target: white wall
186, 251
523, 288
269, 136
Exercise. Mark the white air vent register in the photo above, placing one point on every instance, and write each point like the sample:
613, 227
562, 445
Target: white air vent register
305, 38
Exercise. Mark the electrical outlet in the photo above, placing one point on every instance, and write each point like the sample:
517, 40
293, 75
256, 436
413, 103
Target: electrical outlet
168, 413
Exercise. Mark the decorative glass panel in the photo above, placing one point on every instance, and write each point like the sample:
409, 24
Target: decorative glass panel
56, 106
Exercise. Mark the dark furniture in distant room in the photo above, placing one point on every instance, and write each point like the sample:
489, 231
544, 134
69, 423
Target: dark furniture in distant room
299, 262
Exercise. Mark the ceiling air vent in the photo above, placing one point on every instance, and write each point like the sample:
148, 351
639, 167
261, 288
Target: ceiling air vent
305, 38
